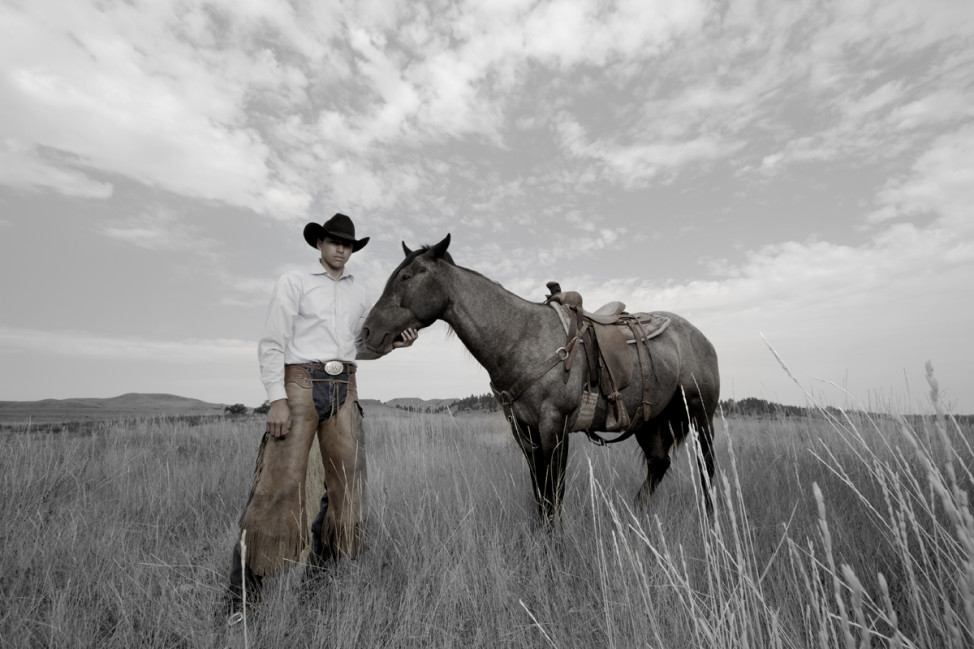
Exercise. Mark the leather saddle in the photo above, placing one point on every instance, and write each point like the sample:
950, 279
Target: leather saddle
606, 335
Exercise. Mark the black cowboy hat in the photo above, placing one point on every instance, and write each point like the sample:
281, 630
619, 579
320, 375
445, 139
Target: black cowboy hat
337, 227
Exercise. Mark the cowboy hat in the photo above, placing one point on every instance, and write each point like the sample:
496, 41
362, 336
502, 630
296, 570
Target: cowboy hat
337, 227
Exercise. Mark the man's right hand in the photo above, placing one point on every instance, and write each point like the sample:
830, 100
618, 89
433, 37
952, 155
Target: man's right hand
279, 419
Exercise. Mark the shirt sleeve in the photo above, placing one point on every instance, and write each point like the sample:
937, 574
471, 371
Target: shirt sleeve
278, 329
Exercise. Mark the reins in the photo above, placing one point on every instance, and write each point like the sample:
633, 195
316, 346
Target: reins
565, 354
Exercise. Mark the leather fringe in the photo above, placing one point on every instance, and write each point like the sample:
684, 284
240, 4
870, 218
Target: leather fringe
271, 553
276, 538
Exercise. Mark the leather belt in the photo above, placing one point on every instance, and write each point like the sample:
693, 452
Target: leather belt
334, 368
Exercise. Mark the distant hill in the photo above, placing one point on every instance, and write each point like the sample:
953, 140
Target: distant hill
125, 405
420, 405
374, 407
135, 405
164, 405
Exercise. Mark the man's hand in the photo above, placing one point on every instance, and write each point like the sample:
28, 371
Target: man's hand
279, 419
407, 338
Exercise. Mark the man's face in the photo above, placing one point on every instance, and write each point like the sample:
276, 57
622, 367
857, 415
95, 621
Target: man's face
334, 252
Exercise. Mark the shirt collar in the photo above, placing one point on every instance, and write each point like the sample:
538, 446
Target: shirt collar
318, 269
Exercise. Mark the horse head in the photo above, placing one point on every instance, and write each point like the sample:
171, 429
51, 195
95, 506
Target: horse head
413, 297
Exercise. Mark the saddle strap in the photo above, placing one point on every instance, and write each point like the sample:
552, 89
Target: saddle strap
643, 355
577, 329
598, 440
564, 355
642, 415
508, 397
591, 351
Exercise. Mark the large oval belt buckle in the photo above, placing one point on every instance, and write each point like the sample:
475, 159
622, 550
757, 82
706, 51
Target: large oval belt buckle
334, 367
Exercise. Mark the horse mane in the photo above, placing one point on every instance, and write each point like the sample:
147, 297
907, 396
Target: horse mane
447, 258
426, 248
411, 256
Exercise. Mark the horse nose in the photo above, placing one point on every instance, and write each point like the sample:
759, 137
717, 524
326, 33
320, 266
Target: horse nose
365, 333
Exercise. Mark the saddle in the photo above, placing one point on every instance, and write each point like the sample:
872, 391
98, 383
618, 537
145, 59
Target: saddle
606, 335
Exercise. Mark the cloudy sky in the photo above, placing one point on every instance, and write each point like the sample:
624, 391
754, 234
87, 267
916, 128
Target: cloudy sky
801, 171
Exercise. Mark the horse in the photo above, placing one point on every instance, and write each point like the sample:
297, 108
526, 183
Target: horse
516, 341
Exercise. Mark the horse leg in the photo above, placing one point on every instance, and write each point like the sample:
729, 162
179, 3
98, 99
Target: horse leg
554, 444
655, 440
546, 453
681, 411
704, 423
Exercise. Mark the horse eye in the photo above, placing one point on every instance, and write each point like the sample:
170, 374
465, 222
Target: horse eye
404, 277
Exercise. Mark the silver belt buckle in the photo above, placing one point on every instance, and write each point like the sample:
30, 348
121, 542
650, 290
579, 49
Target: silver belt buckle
334, 367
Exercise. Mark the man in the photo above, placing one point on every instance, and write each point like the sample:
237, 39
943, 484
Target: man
311, 338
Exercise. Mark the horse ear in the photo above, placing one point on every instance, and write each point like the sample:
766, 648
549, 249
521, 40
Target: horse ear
406, 249
440, 249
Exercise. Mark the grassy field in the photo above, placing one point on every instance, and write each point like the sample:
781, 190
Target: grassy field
854, 532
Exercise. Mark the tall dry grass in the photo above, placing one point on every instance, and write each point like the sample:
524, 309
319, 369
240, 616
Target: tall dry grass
849, 532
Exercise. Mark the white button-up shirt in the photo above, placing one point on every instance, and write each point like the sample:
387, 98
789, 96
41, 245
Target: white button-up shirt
312, 317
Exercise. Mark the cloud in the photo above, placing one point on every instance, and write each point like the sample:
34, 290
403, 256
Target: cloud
72, 343
269, 106
941, 182
25, 167
140, 128
453, 76
151, 106
159, 229
244, 292
163, 231
875, 78
595, 33
941, 106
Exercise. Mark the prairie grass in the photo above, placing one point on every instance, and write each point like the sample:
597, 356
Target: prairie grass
849, 532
